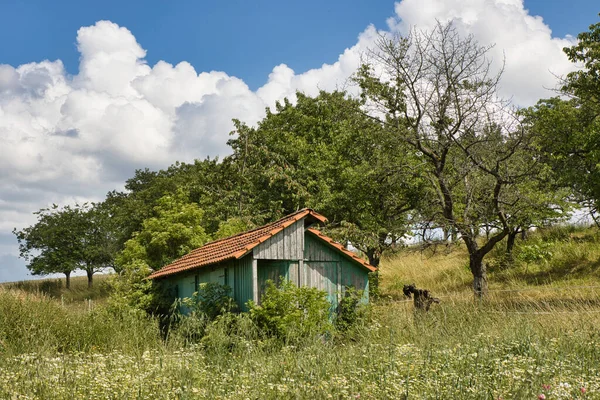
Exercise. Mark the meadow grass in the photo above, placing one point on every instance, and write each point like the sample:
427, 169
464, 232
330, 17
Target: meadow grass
56, 288
541, 340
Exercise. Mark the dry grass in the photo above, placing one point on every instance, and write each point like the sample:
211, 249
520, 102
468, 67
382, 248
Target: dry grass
541, 338
78, 296
567, 269
443, 271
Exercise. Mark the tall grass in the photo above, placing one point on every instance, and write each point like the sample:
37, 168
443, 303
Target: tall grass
37, 323
541, 338
56, 288
459, 350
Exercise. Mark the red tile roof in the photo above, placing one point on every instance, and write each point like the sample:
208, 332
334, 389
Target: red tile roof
341, 248
233, 247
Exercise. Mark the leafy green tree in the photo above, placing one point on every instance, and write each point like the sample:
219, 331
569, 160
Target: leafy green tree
98, 240
173, 231
324, 153
50, 245
437, 93
68, 238
569, 127
233, 226
209, 183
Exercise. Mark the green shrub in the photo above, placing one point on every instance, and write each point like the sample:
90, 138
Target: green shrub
231, 333
292, 313
207, 304
351, 309
211, 300
535, 252
374, 289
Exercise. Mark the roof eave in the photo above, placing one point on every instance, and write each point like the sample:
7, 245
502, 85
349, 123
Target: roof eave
347, 253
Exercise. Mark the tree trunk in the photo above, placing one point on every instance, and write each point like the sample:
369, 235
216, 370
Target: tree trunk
68, 280
374, 256
479, 271
90, 276
454, 235
447, 234
510, 242
524, 234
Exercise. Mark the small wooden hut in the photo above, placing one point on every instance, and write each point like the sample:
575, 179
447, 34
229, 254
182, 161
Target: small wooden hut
291, 247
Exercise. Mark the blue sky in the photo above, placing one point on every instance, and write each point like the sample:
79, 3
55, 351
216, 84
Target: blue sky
132, 84
244, 38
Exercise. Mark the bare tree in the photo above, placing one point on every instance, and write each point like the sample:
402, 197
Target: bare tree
438, 91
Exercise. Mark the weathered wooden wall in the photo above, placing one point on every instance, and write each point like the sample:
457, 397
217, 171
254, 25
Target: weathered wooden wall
236, 274
285, 245
241, 284
274, 270
294, 254
327, 269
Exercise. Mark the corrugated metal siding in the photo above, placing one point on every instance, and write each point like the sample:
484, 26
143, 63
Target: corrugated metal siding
285, 245
242, 281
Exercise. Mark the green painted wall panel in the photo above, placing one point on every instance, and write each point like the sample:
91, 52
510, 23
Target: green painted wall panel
242, 281
323, 275
349, 273
324, 268
187, 283
273, 270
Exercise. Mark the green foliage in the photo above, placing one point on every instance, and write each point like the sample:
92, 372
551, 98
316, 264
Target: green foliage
569, 130
482, 171
292, 313
535, 252
172, 232
374, 285
131, 288
68, 238
209, 183
232, 226
324, 153
231, 334
211, 300
351, 309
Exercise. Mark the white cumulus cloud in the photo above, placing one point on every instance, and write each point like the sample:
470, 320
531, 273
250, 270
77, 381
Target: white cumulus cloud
72, 138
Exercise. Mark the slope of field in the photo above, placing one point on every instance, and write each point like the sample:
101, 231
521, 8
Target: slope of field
537, 334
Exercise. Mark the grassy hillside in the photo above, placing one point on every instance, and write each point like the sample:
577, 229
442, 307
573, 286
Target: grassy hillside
536, 335
555, 259
55, 288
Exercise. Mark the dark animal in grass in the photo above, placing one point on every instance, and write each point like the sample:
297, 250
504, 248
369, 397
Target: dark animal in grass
421, 297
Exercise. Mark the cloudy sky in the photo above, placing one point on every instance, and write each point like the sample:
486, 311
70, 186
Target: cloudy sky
89, 94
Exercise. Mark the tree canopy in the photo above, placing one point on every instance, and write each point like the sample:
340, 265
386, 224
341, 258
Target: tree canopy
325, 153
65, 239
568, 127
437, 92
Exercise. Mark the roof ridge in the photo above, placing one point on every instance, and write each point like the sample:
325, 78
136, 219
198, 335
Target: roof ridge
234, 246
257, 228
